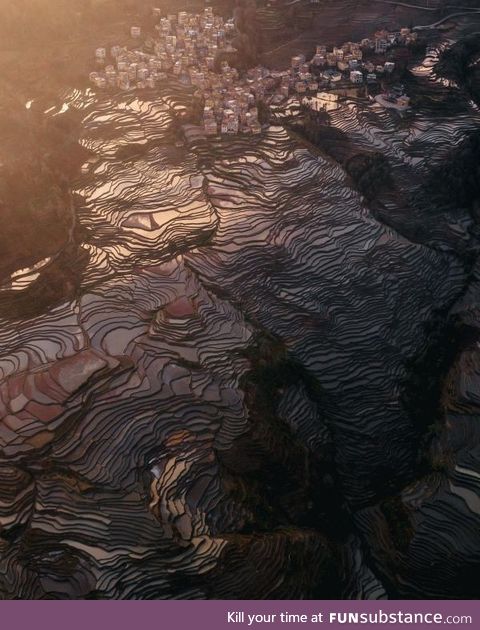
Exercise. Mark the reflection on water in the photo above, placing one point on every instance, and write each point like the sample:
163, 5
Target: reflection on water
23, 278
135, 390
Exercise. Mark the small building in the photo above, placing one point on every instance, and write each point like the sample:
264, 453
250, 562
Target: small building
332, 75
123, 82
356, 77
132, 72
232, 126
211, 127
331, 60
111, 77
100, 54
357, 53
323, 101
319, 60
297, 61
135, 32
339, 53
381, 45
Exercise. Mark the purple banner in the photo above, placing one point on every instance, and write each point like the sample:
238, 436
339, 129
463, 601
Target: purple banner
236, 615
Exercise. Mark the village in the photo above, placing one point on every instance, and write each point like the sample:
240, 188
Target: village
194, 49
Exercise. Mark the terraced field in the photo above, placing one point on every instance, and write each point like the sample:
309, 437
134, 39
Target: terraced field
223, 409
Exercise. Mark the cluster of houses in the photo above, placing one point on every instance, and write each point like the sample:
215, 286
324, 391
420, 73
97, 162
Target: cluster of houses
193, 48
185, 45
230, 106
354, 63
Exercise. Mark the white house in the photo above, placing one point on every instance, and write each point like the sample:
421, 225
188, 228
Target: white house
356, 76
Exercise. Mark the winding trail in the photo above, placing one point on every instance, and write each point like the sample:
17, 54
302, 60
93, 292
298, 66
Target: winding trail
464, 11
445, 19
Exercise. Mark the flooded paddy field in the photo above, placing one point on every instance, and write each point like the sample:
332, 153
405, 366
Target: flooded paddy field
256, 364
